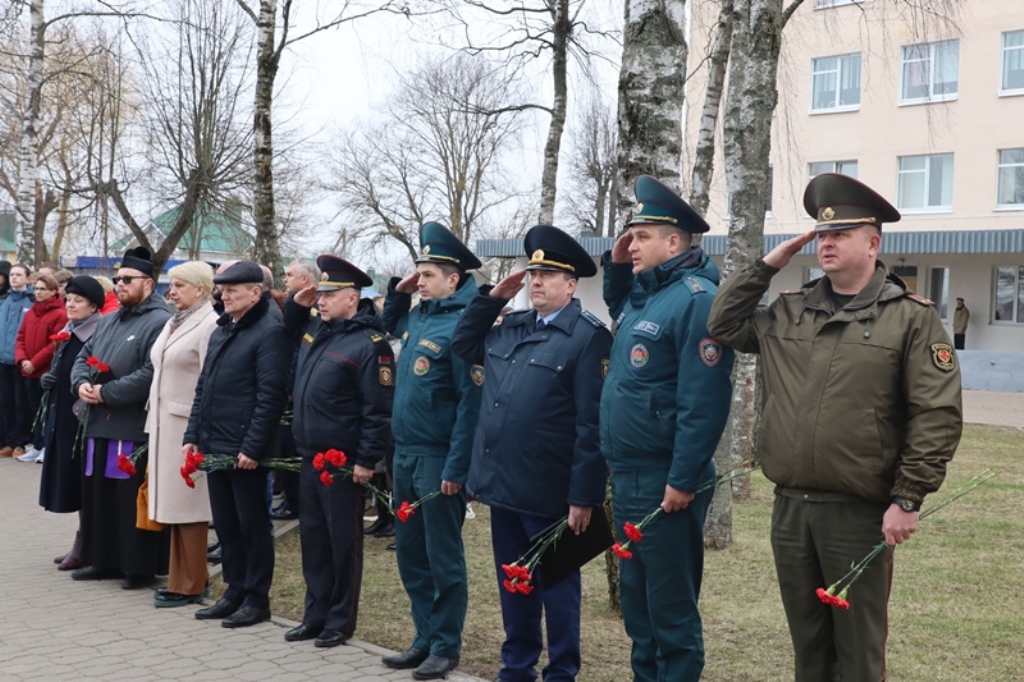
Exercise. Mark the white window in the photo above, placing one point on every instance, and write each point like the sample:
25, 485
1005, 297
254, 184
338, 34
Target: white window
1012, 80
925, 183
835, 83
844, 167
1011, 178
930, 72
1008, 302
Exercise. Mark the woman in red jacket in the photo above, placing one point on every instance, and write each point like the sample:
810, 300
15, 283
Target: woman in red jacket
33, 349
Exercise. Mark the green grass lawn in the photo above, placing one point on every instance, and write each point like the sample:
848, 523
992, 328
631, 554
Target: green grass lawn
953, 612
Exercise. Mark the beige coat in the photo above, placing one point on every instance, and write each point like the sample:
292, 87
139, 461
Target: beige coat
177, 361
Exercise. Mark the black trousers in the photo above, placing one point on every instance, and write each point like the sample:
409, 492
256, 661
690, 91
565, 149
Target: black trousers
238, 499
959, 340
331, 530
34, 394
14, 404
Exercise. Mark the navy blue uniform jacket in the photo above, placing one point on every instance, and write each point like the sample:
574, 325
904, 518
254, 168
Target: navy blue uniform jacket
536, 449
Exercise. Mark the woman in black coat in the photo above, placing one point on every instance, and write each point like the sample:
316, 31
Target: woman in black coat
60, 489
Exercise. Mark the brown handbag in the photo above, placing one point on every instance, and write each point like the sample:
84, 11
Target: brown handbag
142, 520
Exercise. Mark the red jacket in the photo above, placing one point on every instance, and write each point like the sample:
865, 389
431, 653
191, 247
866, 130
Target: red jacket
110, 303
33, 342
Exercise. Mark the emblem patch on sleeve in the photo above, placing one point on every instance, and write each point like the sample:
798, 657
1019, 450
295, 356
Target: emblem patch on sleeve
943, 356
385, 376
639, 355
710, 352
421, 366
476, 373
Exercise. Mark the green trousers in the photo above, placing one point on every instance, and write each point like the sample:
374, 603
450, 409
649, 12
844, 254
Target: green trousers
815, 544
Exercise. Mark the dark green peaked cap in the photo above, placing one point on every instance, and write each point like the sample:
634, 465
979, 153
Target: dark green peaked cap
439, 245
656, 203
838, 201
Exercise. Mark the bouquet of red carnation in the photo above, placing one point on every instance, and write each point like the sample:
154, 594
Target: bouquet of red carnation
60, 337
127, 463
97, 369
196, 461
407, 509
39, 423
337, 460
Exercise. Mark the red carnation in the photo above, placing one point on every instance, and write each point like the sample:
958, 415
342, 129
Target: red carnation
92, 361
189, 482
336, 458
509, 585
632, 532
60, 337
510, 571
185, 473
103, 367
404, 511
326, 478
124, 464
318, 461
621, 552
524, 587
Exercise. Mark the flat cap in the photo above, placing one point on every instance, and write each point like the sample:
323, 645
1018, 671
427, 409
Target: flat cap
656, 203
337, 273
552, 249
86, 286
838, 201
439, 245
242, 272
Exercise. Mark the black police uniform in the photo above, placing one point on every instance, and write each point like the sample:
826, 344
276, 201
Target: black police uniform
344, 379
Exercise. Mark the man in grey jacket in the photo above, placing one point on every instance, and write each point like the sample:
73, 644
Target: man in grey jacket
111, 377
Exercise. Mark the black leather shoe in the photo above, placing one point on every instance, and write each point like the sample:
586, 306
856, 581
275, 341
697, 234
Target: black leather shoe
302, 633
387, 530
283, 513
330, 638
377, 524
214, 556
171, 599
93, 573
222, 609
435, 668
410, 658
246, 616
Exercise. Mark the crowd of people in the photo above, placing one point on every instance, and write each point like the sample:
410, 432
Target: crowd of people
532, 412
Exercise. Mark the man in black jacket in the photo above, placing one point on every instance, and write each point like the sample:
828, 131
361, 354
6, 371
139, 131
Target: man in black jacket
344, 378
239, 400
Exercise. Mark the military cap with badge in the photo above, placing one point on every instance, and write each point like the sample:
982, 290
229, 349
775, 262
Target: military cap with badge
439, 245
549, 248
338, 273
838, 202
658, 204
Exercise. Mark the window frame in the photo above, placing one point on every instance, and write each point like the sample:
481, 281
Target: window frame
836, 167
931, 97
837, 108
1003, 91
941, 299
1018, 290
942, 208
1000, 205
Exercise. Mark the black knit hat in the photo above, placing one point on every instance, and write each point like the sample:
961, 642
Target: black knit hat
86, 286
139, 259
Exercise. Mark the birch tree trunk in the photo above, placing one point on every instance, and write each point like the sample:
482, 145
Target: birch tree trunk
28, 166
561, 26
651, 93
268, 247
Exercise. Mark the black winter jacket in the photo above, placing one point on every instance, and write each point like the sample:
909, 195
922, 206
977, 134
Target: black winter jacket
344, 384
241, 395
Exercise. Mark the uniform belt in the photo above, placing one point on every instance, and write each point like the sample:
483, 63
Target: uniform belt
816, 495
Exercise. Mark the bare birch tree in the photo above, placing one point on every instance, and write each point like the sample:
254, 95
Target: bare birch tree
592, 170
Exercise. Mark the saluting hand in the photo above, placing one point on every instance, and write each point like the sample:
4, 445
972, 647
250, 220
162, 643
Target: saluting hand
620, 252
780, 256
408, 285
507, 288
306, 297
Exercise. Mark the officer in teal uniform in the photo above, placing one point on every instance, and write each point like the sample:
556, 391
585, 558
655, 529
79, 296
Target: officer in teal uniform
437, 401
663, 410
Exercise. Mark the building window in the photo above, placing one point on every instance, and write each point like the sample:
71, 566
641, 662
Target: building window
825, 4
1012, 80
844, 167
925, 183
1011, 178
1009, 295
938, 289
930, 72
835, 83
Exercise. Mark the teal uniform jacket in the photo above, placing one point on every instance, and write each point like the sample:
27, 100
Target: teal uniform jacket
666, 398
437, 393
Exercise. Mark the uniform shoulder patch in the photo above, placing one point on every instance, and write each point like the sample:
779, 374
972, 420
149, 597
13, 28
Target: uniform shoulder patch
943, 357
920, 299
308, 338
710, 351
385, 375
592, 318
476, 373
694, 284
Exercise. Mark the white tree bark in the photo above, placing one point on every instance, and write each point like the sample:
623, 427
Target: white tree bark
561, 27
268, 57
28, 166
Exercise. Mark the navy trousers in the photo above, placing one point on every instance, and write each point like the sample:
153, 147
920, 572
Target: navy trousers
238, 499
521, 613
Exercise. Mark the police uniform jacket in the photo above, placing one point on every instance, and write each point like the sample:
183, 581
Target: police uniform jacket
863, 403
437, 393
666, 398
344, 384
536, 448
240, 394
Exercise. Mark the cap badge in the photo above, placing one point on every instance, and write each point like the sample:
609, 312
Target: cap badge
639, 207
828, 213
324, 277
426, 249
538, 255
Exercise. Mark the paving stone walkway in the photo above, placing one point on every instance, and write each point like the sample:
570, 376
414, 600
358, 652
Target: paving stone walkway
52, 628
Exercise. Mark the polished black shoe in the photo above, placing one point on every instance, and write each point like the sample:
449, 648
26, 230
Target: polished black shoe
165, 599
214, 556
136, 582
222, 609
246, 616
435, 668
387, 530
328, 638
377, 524
93, 573
302, 633
283, 513
410, 658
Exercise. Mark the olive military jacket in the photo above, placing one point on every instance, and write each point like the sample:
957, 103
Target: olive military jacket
860, 404
666, 397
437, 393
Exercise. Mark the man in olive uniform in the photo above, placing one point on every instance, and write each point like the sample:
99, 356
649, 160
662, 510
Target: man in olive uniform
437, 401
536, 455
344, 384
664, 406
861, 415
961, 316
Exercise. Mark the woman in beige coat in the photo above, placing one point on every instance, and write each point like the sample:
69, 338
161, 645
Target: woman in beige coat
178, 356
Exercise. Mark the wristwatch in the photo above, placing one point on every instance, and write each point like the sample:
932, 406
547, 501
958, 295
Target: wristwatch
906, 505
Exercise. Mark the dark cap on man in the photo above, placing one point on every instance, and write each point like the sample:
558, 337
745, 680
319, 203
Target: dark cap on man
551, 249
139, 259
439, 245
839, 202
242, 272
87, 287
337, 273
657, 204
